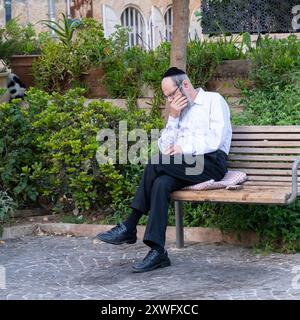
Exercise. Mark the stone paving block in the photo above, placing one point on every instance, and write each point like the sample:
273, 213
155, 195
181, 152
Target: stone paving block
59, 267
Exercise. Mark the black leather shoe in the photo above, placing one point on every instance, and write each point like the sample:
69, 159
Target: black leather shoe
153, 260
118, 235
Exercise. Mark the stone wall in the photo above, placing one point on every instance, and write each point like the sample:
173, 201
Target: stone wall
36, 10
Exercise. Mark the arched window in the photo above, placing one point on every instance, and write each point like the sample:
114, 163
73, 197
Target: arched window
169, 24
132, 18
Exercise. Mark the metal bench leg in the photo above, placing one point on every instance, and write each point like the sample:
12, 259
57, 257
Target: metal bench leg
179, 224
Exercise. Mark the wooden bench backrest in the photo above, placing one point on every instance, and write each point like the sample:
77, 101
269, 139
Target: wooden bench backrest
265, 153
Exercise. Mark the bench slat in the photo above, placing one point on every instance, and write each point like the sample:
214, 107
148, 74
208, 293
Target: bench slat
268, 172
269, 178
265, 150
271, 129
269, 183
257, 143
265, 136
261, 158
249, 194
263, 165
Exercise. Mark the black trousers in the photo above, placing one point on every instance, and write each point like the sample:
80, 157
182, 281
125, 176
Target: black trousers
160, 179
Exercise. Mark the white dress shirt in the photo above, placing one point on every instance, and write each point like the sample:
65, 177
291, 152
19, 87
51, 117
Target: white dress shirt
201, 128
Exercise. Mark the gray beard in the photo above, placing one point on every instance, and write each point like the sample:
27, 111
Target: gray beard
188, 107
185, 110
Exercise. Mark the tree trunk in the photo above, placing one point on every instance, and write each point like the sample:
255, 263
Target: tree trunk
180, 33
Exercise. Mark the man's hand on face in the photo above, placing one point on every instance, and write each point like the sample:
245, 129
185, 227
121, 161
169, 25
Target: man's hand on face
172, 150
177, 105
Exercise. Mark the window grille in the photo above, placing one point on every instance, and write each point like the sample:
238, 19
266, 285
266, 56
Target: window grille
253, 16
132, 19
169, 24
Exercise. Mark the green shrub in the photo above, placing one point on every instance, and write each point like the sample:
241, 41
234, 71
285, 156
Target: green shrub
17, 153
7, 206
49, 149
62, 63
51, 70
128, 69
123, 73
273, 62
2, 92
16, 38
155, 64
64, 29
280, 106
201, 62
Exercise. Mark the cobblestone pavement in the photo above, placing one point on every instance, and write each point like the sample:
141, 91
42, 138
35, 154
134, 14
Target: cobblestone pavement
57, 267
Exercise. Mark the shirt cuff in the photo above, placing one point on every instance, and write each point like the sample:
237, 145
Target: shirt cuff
173, 122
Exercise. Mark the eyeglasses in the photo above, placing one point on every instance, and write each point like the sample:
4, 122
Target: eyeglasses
171, 95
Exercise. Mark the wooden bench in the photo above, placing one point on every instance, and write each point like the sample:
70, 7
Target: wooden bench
270, 155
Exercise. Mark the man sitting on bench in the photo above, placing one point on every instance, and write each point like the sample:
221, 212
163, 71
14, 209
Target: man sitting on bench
198, 126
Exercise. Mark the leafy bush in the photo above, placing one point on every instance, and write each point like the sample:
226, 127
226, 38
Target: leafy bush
274, 62
62, 63
128, 69
18, 39
155, 64
123, 74
64, 28
51, 70
2, 92
274, 96
48, 151
17, 152
201, 61
7, 206
281, 106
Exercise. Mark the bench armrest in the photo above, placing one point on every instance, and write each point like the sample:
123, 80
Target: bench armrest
294, 193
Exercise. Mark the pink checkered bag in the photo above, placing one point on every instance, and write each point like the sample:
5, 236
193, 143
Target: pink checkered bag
231, 181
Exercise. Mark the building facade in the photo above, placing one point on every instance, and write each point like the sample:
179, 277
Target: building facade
150, 22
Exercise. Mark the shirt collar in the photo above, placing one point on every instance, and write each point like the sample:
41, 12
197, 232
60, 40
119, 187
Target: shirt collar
200, 96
